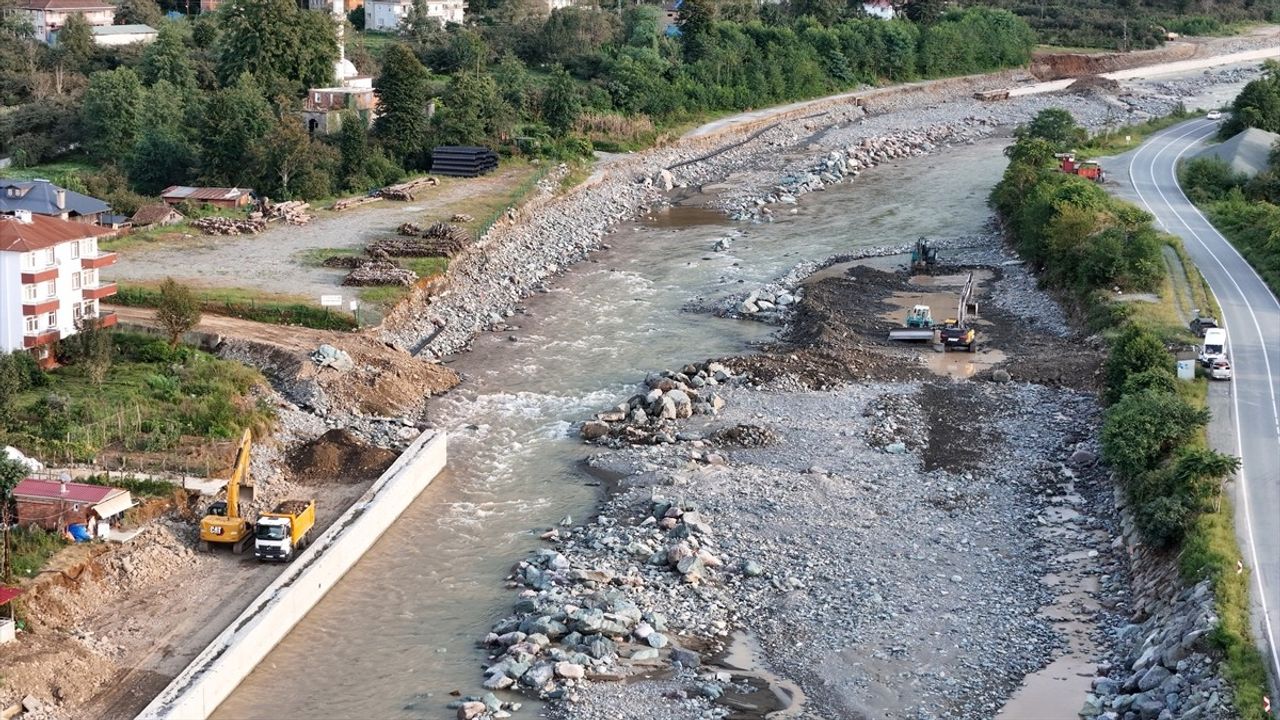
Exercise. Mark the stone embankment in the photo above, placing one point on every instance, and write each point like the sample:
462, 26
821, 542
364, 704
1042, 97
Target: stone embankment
1165, 666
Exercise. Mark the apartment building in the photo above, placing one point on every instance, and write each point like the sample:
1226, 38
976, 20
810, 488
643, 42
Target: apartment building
49, 281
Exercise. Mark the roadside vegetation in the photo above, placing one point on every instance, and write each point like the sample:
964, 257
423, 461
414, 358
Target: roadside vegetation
1129, 25
1245, 210
1085, 244
158, 401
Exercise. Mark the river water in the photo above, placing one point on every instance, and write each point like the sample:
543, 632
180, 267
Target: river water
399, 632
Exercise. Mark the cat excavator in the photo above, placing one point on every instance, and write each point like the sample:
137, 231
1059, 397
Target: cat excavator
957, 333
223, 525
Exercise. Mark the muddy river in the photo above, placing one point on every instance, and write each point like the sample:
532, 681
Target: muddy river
399, 632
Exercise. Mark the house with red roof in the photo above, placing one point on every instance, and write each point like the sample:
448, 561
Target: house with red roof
54, 505
49, 281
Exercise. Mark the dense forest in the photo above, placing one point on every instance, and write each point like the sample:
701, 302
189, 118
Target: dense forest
214, 100
1132, 24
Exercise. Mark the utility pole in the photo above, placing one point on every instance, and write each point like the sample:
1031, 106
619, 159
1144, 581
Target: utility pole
1124, 22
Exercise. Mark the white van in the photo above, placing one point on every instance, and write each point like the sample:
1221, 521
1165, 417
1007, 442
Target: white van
1214, 347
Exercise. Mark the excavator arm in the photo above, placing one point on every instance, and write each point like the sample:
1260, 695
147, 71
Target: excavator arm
238, 474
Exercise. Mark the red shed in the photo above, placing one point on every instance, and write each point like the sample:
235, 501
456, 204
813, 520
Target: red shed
55, 505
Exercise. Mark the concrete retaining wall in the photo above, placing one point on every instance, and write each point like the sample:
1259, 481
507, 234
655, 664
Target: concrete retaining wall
216, 672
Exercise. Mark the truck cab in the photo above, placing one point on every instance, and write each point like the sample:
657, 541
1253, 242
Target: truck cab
283, 532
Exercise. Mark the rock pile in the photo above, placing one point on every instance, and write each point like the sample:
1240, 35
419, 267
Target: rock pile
771, 304
897, 423
329, 356
648, 417
576, 622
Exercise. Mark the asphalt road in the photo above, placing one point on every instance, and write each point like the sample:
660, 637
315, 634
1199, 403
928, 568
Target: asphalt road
1251, 315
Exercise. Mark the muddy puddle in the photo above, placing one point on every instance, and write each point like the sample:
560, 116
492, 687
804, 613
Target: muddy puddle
675, 217
941, 294
771, 697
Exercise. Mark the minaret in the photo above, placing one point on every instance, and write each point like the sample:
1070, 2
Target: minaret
343, 69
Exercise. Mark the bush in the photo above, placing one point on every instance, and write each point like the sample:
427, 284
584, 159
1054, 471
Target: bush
1209, 178
1143, 429
1135, 351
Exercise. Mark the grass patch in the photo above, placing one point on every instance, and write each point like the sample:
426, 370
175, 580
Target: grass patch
383, 295
50, 171
245, 304
425, 266
154, 399
139, 487
32, 548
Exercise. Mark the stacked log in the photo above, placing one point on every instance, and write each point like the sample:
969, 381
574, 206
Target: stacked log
351, 202
293, 212
437, 240
405, 191
216, 225
343, 261
380, 272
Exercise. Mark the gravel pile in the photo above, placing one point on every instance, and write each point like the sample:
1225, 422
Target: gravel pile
650, 416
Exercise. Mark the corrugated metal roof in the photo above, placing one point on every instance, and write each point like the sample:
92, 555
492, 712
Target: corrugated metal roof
184, 192
76, 492
43, 232
154, 213
122, 29
9, 593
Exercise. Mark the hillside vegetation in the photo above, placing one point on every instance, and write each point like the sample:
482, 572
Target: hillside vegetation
1133, 24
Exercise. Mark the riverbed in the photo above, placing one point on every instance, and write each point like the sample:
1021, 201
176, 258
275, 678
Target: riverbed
398, 633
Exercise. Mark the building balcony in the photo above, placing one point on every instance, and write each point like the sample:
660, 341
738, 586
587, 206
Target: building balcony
97, 293
47, 337
39, 307
107, 319
39, 276
100, 260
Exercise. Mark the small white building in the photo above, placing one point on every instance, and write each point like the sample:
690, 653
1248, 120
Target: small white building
123, 34
386, 15
47, 17
557, 4
49, 281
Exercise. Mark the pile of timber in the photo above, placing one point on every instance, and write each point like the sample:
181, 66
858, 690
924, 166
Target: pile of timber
351, 202
293, 212
216, 225
405, 191
436, 240
343, 261
461, 218
380, 272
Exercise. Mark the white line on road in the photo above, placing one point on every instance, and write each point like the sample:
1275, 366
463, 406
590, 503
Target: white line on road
1235, 397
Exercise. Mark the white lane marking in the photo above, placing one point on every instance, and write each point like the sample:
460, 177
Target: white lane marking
1235, 397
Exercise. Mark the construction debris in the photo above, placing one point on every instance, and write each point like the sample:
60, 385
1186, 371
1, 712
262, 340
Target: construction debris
293, 212
380, 272
217, 225
405, 191
329, 356
351, 202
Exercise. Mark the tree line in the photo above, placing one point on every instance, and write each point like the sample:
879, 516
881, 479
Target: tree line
215, 99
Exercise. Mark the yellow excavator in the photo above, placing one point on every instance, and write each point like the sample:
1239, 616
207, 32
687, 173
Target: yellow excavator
223, 525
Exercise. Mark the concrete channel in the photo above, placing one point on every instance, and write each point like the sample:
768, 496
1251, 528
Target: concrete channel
196, 692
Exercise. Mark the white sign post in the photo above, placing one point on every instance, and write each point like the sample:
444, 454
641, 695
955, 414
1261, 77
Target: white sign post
330, 301
355, 311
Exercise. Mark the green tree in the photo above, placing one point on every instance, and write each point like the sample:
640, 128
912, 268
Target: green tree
562, 103
1056, 126
1133, 352
924, 12
286, 49
420, 28
169, 59
89, 348
402, 103
575, 35
472, 112
640, 26
139, 12
286, 158
513, 81
177, 310
464, 50
111, 114
75, 44
229, 124
1141, 430
1257, 105
356, 18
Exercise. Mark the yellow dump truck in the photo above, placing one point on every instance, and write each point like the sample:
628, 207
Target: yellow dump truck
285, 531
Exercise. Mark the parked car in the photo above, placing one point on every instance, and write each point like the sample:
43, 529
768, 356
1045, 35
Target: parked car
1214, 115
1220, 369
1201, 323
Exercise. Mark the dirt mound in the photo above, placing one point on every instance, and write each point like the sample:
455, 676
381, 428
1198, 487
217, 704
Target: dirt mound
1090, 84
1056, 66
339, 456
